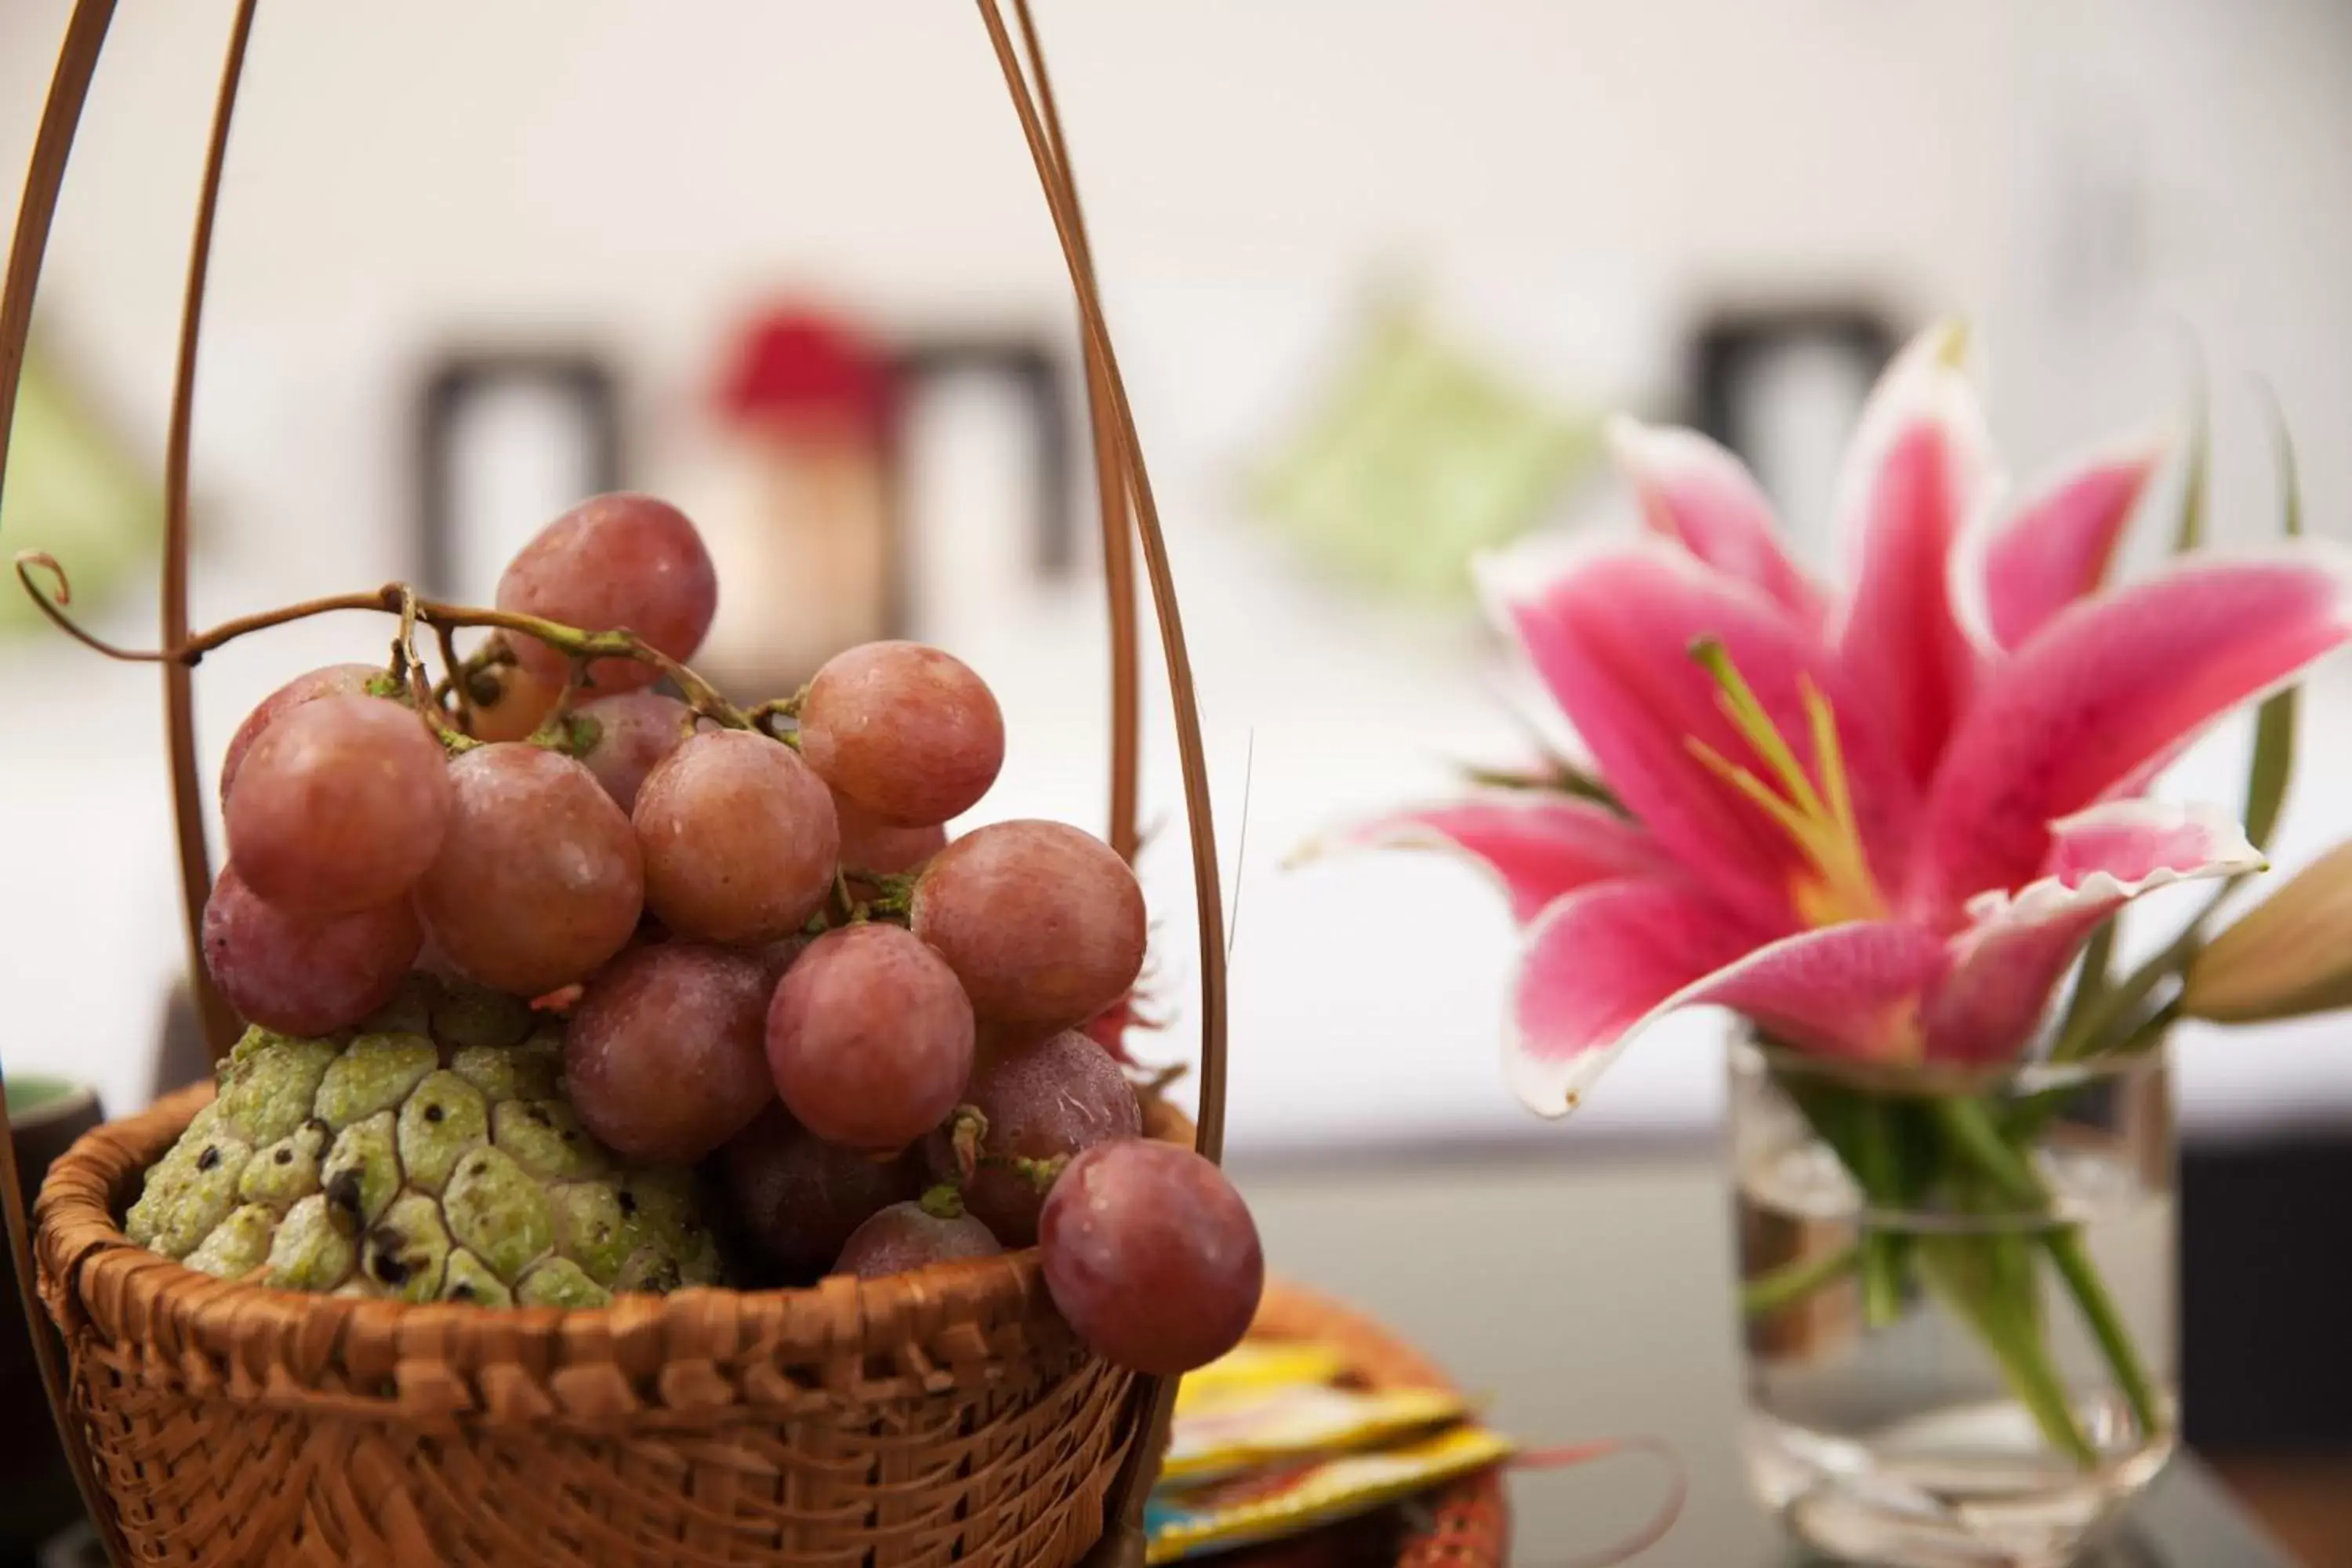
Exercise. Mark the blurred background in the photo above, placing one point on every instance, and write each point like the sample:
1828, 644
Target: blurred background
1375, 268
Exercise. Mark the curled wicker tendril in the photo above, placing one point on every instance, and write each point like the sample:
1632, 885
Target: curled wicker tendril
31, 561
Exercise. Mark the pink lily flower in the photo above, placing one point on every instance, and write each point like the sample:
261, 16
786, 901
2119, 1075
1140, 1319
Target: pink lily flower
1879, 825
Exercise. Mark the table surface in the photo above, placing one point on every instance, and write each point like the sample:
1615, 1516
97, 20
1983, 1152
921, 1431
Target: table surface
1588, 1297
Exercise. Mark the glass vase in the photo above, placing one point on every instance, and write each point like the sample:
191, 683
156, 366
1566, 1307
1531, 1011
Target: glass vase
1957, 1301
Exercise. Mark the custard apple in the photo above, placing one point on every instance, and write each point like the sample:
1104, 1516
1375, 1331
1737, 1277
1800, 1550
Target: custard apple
429, 1155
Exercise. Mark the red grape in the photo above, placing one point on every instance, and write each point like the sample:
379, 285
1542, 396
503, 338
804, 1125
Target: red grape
907, 1237
869, 1038
1055, 1099
1043, 924
1152, 1255
775, 957
340, 806
334, 680
870, 844
633, 731
301, 974
800, 1197
739, 839
611, 563
538, 880
665, 1056
908, 733
510, 702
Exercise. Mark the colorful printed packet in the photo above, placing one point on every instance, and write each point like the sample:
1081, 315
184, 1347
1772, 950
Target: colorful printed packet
1267, 1442
1264, 1505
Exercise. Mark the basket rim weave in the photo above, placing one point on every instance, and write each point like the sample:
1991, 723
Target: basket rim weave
947, 1326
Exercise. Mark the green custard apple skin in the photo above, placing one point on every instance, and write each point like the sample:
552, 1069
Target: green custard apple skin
429, 1155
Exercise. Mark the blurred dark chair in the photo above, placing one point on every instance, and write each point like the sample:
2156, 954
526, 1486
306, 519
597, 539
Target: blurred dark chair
2266, 1366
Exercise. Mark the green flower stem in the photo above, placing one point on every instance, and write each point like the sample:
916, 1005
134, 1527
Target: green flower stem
1963, 1270
1970, 1126
2098, 1310
1882, 1254
1798, 1279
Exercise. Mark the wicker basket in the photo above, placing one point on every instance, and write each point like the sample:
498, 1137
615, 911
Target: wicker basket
943, 1417
888, 1421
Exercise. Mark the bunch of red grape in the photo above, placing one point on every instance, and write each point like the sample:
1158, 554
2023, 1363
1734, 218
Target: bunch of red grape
771, 954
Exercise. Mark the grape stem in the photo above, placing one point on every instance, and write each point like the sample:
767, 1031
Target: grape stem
393, 598
766, 713
967, 1130
453, 681
455, 741
1039, 1173
566, 729
895, 896
573, 734
853, 912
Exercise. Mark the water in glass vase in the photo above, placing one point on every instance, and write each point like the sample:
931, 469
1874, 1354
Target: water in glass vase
1958, 1301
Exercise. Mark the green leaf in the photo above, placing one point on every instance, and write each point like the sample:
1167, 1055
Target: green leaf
1555, 774
2109, 1018
2273, 765
2193, 498
2275, 727
2092, 978
1796, 1279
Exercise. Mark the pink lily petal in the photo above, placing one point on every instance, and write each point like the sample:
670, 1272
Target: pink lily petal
1599, 962
1917, 470
1693, 490
1611, 634
2056, 547
1849, 991
2112, 685
1603, 964
1538, 845
2018, 945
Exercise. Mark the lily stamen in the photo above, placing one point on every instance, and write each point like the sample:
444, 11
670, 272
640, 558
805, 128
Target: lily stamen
1818, 820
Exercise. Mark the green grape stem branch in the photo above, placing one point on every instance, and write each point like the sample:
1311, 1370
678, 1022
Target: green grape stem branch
395, 599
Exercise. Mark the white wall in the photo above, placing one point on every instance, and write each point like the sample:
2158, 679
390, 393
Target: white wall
1575, 180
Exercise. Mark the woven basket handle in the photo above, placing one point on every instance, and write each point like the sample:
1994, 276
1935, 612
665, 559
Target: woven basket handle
60, 115
1119, 469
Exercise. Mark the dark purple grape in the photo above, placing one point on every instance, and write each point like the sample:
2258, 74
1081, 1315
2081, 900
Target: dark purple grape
340, 806
1043, 924
334, 680
615, 562
1045, 1101
634, 730
665, 1056
300, 974
538, 882
908, 731
738, 839
907, 1237
800, 1198
869, 1038
1152, 1255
